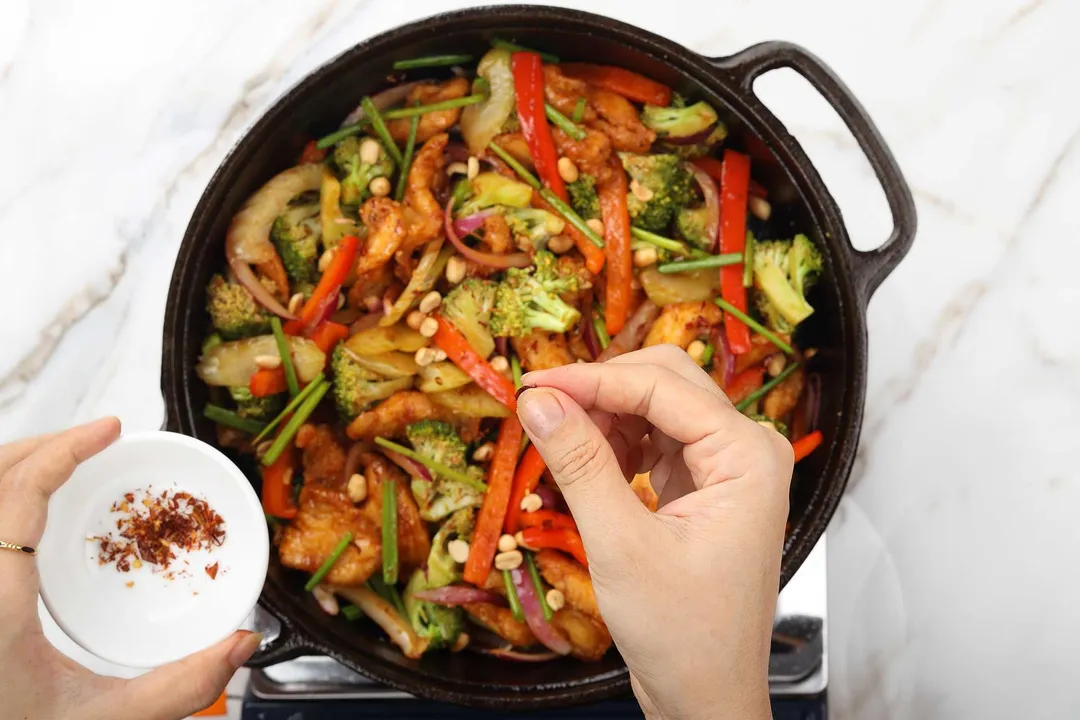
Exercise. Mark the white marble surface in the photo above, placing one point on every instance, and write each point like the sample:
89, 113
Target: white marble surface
952, 561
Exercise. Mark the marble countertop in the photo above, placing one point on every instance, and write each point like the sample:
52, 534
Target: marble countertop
947, 592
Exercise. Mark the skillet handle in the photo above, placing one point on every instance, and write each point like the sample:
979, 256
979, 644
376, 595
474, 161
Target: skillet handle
281, 642
870, 267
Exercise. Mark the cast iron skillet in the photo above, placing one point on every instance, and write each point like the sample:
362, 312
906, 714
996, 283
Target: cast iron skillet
801, 201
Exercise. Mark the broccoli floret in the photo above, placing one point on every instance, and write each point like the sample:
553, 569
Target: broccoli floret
691, 222
781, 305
770, 423
212, 341
359, 161
439, 441
664, 183
468, 307
233, 311
441, 568
533, 226
440, 625
355, 387
689, 151
490, 189
679, 122
583, 197
529, 299
256, 408
296, 235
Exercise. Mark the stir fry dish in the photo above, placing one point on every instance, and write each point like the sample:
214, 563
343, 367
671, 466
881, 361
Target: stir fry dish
380, 300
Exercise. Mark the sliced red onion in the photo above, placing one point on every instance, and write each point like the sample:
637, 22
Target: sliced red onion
391, 96
588, 331
544, 631
465, 226
460, 595
246, 277
712, 203
367, 321
813, 387
326, 599
323, 312
517, 260
509, 653
689, 139
410, 466
456, 152
722, 355
352, 460
633, 333
502, 346
805, 416
548, 496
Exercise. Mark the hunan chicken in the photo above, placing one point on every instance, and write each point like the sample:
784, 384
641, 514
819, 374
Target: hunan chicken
381, 298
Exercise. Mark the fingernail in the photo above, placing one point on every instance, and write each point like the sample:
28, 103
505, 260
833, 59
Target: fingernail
541, 413
244, 649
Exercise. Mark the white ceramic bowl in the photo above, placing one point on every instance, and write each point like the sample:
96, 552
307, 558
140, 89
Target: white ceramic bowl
155, 620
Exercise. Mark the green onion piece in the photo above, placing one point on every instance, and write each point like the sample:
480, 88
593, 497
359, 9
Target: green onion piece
748, 261
571, 217
707, 355
230, 419
286, 356
372, 113
754, 325
396, 601
431, 61
761, 391
539, 585
389, 531
512, 597
564, 123
436, 467
462, 191
579, 110
340, 134
712, 261
514, 47
329, 562
351, 613
515, 165
433, 107
515, 371
667, 243
308, 389
410, 145
599, 323
299, 418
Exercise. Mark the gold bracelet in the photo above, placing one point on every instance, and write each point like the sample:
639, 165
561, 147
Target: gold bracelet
17, 548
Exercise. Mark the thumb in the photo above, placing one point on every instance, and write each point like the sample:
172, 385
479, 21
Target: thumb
184, 687
584, 466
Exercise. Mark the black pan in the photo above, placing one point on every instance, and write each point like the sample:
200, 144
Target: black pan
801, 202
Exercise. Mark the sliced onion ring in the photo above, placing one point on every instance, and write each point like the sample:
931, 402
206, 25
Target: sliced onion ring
383, 100
712, 203
515, 260
460, 595
633, 333
464, 226
410, 466
544, 631
387, 617
722, 354
246, 277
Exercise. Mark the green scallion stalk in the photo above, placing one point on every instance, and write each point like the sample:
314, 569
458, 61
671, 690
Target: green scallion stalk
761, 391
707, 355
482, 84
451, 104
539, 585
351, 613
571, 217
754, 325
436, 467
328, 564
286, 356
512, 596
389, 532
462, 191
431, 61
599, 323
328, 141
711, 261
299, 418
579, 110
748, 260
517, 167
410, 145
514, 47
515, 371
293, 404
667, 243
371, 113
564, 123
228, 418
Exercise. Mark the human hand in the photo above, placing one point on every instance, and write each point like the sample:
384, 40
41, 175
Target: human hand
36, 680
688, 593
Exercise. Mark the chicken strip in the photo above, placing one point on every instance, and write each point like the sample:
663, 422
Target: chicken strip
568, 576
385, 233
500, 621
324, 517
412, 535
618, 119
541, 350
430, 123
592, 155
423, 214
323, 457
680, 323
783, 398
389, 418
564, 92
760, 348
589, 639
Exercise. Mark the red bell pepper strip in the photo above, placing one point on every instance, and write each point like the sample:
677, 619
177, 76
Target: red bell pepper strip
328, 334
594, 256
555, 539
529, 87
311, 154
323, 301
617, 239
271, 382
529, 470
734, 191
277, 490
744, 383
620, 80
549, 520
489, 522
807, 444
453, 343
